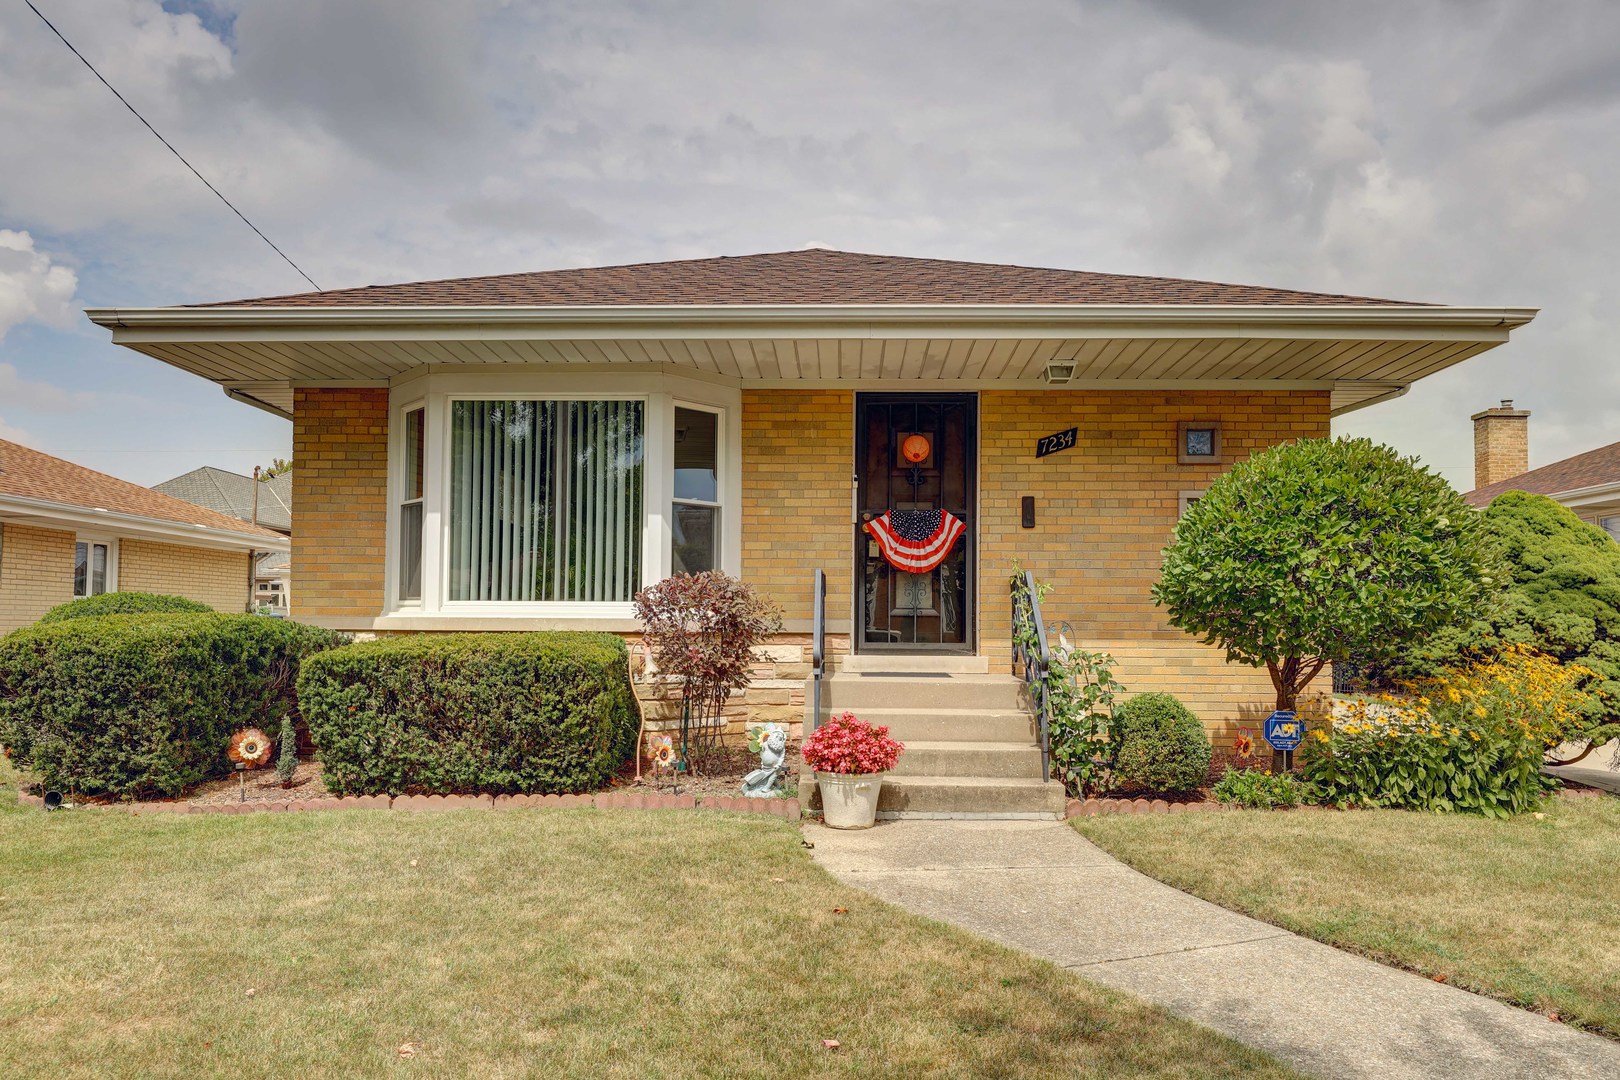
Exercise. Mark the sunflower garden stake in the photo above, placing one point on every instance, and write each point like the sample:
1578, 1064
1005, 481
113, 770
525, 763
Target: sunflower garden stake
249, 749
661, 755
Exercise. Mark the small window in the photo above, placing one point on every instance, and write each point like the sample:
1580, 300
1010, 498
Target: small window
1610, 525
410, 509
91, 560
1198, 442
695, 516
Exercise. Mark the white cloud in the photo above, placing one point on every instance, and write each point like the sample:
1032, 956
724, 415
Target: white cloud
32, 287
19, 392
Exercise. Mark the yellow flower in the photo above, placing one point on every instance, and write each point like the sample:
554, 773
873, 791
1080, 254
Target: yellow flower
1479, 710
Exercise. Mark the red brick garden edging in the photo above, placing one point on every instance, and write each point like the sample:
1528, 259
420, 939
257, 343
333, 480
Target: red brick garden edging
1094, 807
787, 809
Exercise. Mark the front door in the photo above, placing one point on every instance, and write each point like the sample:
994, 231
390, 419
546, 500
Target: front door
899, 610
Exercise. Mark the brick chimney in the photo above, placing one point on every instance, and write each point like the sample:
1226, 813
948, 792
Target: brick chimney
1501, 443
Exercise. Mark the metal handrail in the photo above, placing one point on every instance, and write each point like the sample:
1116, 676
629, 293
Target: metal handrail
818, 652
1026, 603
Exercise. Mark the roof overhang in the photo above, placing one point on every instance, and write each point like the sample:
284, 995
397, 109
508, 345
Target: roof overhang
1360, 353
48, 514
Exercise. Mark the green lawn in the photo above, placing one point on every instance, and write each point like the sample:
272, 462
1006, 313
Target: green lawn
520, 943
1526, 910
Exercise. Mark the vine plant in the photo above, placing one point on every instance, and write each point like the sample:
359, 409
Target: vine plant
1080, 694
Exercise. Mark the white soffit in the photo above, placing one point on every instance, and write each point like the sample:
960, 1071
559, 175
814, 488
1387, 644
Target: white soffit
1362, 353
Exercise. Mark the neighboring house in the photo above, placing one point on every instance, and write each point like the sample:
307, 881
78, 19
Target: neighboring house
1589, 483
262, 502
67, 531
526, 451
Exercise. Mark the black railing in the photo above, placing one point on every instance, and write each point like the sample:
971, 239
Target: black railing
818, 653
1032, 657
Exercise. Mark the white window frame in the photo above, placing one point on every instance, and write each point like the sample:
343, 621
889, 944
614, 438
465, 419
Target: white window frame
720, 464
435, 391
111, 544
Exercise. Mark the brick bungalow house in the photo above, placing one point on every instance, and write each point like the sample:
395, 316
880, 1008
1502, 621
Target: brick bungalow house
67, 531
525, 451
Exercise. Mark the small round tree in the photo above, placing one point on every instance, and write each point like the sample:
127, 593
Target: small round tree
1320, 551
703, 629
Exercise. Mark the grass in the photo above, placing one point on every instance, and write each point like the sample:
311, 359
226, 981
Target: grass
1525, 910
521, 943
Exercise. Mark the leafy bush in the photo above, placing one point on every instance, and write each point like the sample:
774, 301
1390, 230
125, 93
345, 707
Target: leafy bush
1161, 745
1562, 598
1080, 688
499, 713
122, 603
1258, 789
132, 706
1471, 741
703, 629
1321, 551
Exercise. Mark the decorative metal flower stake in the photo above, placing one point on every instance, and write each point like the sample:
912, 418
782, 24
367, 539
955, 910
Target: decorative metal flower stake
249, 749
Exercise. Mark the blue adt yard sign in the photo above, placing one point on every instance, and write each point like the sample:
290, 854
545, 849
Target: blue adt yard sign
1284, 731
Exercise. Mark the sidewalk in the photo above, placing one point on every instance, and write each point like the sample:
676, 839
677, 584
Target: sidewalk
1040, 887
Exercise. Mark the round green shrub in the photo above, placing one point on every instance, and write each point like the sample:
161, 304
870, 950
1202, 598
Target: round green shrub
133, 706
122, 603
545, 713
1160, 745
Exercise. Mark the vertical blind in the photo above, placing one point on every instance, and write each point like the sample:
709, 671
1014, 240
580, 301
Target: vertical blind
545, 500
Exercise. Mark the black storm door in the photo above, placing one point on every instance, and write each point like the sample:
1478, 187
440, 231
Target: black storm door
915, 452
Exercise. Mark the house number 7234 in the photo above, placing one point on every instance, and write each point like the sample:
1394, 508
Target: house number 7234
1051, 444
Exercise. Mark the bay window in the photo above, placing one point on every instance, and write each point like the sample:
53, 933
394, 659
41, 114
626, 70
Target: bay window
556, 494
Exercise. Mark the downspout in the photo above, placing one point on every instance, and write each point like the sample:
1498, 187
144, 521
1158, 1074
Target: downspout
253, 555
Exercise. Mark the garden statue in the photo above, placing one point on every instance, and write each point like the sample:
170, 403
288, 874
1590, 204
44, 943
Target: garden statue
770, 740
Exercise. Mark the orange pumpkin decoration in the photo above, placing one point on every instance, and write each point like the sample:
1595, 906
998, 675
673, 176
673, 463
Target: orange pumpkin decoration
915, 449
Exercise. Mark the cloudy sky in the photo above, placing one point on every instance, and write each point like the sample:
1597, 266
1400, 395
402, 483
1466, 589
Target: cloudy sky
1460, 151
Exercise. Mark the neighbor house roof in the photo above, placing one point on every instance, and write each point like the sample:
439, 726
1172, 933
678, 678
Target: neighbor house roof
232, 494
1596, 469
36, 485
811, 276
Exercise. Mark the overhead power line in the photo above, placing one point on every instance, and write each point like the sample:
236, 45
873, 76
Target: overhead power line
171, 148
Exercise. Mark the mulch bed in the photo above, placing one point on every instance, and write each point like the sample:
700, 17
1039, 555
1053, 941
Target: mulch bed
718, 773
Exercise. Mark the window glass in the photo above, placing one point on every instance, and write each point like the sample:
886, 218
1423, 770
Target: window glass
545, 500
696, 530
98, 569
410, 510
1611, 525
81, 569
414, 453
1200, 442
696, 455
90, 568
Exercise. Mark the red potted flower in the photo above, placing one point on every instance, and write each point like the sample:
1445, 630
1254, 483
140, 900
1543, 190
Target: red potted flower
850, 757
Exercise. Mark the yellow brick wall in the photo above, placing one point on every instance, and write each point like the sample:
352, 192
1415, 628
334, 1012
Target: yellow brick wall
36, 573
1501, 444
216, 578
340, 443
798, 457
1104, 512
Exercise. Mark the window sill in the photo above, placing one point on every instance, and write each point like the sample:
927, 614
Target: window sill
486, 621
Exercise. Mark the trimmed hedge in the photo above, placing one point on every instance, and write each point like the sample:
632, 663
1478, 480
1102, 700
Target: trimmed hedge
123, 603
1161, 745
546, 713
133, 706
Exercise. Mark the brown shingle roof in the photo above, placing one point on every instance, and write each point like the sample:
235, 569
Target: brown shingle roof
812, 276
29, 474
1595, 467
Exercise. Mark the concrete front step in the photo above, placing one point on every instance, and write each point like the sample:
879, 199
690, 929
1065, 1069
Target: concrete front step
919, 724
895, 663
965, 758
988, 795
873, 690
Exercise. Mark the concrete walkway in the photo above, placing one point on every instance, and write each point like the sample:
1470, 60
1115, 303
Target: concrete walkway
1041, 887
